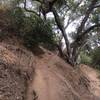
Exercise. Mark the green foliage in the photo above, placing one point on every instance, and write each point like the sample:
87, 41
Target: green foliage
60, 3
92, 59
85, 59
16, 19
31, 28
96, 57
28, 26
95, 18
36, 31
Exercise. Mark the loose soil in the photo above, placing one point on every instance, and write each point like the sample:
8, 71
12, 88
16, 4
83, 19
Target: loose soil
42, 75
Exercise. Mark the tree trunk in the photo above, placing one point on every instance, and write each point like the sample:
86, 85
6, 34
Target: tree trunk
62, 29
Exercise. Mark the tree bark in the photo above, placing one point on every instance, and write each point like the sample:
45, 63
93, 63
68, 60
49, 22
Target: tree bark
62, 29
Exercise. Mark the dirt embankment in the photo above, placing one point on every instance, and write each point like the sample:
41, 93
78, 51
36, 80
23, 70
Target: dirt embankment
93, 76
39, 75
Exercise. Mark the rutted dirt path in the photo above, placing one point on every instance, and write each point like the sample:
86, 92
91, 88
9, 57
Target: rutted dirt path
48, 84
42, 77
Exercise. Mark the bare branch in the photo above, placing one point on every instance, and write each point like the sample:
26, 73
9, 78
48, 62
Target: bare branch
75, 8
68, 22
90, 28
31, 11
97, 6
81, 37
88, 12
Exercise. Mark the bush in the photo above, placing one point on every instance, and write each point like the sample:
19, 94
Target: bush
92, 59
95, 54
16, 17
31, 28
36, 31
85, 59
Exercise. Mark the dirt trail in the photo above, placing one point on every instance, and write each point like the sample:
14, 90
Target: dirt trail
48, 83
92, 75
41, 77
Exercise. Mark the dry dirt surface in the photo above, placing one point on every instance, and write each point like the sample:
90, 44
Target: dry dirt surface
40, 75
93, 76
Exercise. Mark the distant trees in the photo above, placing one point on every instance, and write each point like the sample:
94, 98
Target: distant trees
91, 58
90, 54
82, 14
96, 57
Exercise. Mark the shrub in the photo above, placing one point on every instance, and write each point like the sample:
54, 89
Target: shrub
95, 54
36, 31
92, 59
16, 17
85, 59
31, 28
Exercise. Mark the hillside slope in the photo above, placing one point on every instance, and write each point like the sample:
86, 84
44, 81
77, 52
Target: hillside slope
94, 78
39, 75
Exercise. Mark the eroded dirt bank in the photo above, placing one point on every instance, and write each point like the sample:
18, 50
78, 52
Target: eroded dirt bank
39, 75
94, 78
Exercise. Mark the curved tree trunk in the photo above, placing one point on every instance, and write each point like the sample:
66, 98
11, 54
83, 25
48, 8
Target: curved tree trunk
62, 29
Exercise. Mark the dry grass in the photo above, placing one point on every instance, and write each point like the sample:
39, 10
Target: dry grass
7, 56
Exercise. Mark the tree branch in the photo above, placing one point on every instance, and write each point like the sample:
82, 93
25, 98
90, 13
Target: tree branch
91, 28
88, 12
68, 22
75, 8
82, 36
97, 6
81, 27
31, 11
62, 29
